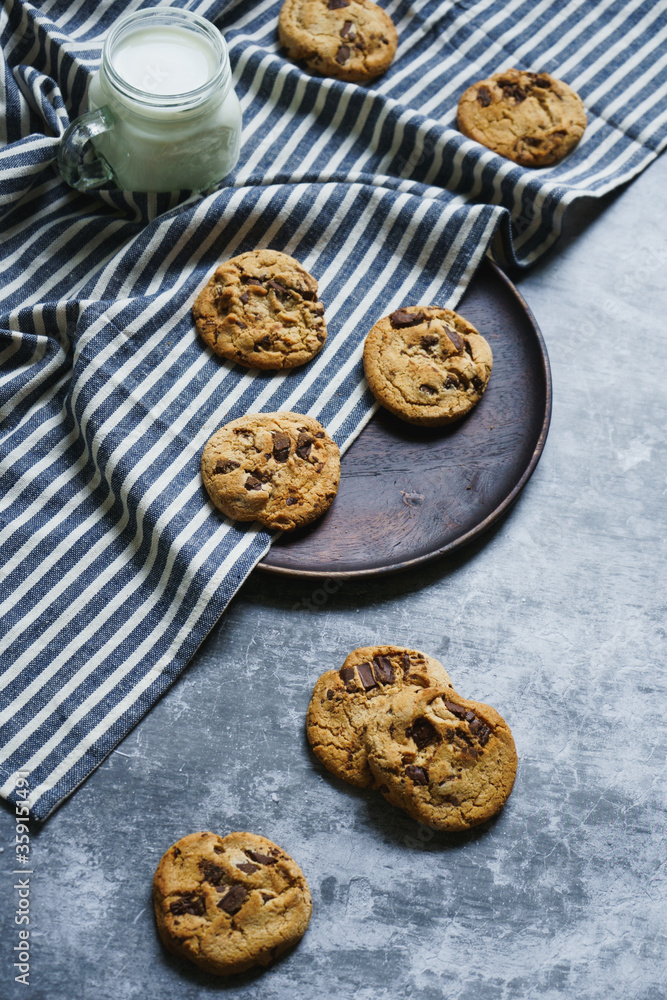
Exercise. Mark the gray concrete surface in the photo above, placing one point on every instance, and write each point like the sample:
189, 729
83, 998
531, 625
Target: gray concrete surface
557, 619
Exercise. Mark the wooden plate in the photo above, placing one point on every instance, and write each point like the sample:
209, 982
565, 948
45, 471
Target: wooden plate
410, 494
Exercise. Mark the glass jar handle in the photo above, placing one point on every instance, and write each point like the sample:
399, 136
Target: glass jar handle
74, 147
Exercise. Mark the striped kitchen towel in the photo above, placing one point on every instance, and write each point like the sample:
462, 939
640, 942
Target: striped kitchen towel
115, 566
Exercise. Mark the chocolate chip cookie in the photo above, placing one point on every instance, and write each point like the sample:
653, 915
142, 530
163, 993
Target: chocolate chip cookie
261, 310
530, 118
343, 702
352, 40
281, 469
427, 365
447, 761
229, 903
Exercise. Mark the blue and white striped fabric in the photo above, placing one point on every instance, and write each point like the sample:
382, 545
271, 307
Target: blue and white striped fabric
114, 565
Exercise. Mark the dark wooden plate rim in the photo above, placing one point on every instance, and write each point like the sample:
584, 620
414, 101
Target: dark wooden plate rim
495, 514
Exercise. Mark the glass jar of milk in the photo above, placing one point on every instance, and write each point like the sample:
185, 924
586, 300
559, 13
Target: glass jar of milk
163, 113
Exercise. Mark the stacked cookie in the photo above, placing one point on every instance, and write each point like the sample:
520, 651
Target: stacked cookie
390, 719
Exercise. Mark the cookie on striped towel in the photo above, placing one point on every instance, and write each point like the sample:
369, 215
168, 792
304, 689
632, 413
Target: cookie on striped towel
531, 118
281, 469
349, 39
261, 310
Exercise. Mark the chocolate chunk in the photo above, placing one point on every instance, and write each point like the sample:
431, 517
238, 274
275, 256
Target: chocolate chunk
533, 140
542, 81
406, 663
400, 318
348, 678
470, 716
266, 896
234, 900
513, 90
309, 296
430, 390
347, 31
342, 55
222, 468
263, 475
291, 501
320, 434
484, 96
252, 484
430, 340
219, 850
422, 732
366, 676
261, 859
281, 446
279, 289
457, 710
456, 339
190, 902
384, 670
330, 694
233, 319
252, 281
303, 445
245, 297
264, 343
212, 873
477, 383
480, 730
337, 4
469, 348
176, 851
451, 382
248, 868
419, 775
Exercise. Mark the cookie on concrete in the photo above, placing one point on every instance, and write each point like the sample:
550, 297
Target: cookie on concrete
229, 903
530, 118
261, 310
352, 40
344, 700
427, 365
447, 761
281, 469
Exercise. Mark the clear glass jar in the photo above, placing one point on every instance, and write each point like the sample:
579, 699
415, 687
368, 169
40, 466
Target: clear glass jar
163, 112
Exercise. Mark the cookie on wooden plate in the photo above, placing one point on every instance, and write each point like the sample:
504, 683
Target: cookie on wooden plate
229, 903
531, 118
281, 469
427, 365
447, 761
352, 40
343, 702
261, 310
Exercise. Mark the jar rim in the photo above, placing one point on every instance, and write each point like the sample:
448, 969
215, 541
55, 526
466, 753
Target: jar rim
187, 100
